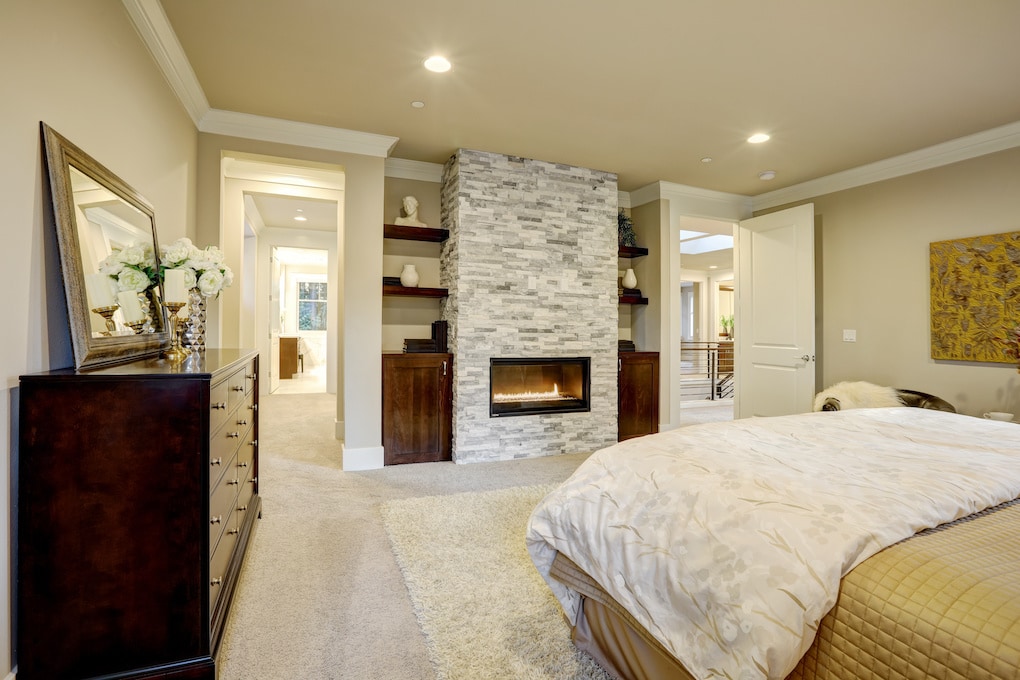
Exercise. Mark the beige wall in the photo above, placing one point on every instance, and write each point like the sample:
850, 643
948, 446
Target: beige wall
80, 67
359, 251
874, 277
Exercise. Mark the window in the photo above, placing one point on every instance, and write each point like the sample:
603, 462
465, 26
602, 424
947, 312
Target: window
311, 306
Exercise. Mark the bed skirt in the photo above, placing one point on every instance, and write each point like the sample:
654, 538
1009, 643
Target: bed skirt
943, 604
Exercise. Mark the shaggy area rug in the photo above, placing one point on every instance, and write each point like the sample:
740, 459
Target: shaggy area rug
484, 609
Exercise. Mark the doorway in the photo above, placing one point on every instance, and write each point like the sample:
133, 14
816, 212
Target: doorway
707, 301
300, 301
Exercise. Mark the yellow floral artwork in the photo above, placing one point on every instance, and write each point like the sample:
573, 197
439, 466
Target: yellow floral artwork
975, 298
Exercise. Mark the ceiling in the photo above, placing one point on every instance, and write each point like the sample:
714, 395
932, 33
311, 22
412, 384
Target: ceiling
644, 89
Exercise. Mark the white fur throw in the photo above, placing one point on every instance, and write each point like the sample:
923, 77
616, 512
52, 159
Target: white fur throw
849, 395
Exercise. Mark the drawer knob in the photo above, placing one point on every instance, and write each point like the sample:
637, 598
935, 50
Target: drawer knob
234, 531
242, 508
216, 520
216, 581
238, 388
253, 442
243, 465
250, 377
216, 461
233, 435
233, 481
242, 422
219, 405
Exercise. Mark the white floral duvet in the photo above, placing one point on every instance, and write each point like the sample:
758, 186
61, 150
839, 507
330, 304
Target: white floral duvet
727, 541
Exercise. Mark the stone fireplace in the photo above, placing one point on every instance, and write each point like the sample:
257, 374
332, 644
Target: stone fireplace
531, 267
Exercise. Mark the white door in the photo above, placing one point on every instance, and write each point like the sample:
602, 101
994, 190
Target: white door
775, 318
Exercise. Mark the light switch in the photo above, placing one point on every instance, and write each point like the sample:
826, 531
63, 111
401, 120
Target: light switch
849, 335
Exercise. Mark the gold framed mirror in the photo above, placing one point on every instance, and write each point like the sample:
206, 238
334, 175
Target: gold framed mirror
109, 256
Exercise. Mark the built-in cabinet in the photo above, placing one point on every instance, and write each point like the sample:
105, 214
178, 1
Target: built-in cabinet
137, 498
417, 408
638, 394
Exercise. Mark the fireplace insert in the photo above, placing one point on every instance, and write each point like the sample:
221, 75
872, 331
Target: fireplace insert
522, 387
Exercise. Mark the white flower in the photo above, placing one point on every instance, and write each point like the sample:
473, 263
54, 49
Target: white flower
190, 277
134, 254
111, 266
132, 279
177, 252
211, 282
214, 255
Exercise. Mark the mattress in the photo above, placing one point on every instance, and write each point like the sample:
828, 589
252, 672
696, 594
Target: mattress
943, 604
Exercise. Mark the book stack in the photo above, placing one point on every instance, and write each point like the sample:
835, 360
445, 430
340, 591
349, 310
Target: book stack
437, 343
627, 346
416, 346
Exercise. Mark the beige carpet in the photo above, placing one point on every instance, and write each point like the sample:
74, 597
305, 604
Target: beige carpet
484, 609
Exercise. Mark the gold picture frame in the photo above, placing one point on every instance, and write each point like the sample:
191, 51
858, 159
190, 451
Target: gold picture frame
975, 298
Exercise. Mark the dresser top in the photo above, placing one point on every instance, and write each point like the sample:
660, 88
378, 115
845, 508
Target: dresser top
200, 365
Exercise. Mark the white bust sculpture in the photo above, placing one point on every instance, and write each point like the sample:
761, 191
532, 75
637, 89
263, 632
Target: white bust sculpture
410, 218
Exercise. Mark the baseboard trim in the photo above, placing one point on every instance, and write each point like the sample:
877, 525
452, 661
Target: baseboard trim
364, 458
13, 675
339, 429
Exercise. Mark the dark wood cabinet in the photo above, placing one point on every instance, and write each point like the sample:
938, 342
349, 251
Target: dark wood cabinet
417, 408
638, 394
288, 356
137, 497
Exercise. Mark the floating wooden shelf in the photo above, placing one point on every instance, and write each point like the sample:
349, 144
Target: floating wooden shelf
415, 233
632, 251
633, 300
404, 291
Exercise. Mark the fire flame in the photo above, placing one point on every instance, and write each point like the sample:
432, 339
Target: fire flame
554, 395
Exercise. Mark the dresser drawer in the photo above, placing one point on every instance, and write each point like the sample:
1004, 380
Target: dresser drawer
222, 447
237, 388
218, 405
218, 567
221, 507
250, 376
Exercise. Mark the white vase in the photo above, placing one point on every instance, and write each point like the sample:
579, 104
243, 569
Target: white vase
629, 280
409, 276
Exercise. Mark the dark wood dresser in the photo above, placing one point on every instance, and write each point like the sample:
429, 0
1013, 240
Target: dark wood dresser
137, 498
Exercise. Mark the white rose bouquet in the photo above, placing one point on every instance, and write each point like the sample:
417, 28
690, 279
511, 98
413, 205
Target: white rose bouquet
203, 268
132, 268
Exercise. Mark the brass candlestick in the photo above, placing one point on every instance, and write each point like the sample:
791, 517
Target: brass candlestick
107, 313
136, 326
176, 352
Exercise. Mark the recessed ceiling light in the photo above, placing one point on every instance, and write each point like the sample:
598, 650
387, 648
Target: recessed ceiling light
758, 138
300, 218
713, 266
438, 64
706, 159
767, 175
418, 104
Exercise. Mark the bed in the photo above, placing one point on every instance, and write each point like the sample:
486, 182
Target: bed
868, 543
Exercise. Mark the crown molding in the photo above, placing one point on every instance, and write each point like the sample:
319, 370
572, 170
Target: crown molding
248, 126
694, 201
155, 31
401, 168
953, 151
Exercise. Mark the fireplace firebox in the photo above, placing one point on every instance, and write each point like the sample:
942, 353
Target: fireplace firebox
523, 387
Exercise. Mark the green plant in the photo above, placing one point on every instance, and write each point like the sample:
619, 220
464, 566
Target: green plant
727, 323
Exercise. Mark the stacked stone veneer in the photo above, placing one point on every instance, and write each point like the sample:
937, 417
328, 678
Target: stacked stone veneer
531, 267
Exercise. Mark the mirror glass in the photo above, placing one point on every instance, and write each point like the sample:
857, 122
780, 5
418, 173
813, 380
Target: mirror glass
109, 256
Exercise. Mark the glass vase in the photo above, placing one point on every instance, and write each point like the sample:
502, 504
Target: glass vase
194, 327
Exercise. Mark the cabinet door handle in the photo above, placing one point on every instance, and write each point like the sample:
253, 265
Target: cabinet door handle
619, 365
444, 367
